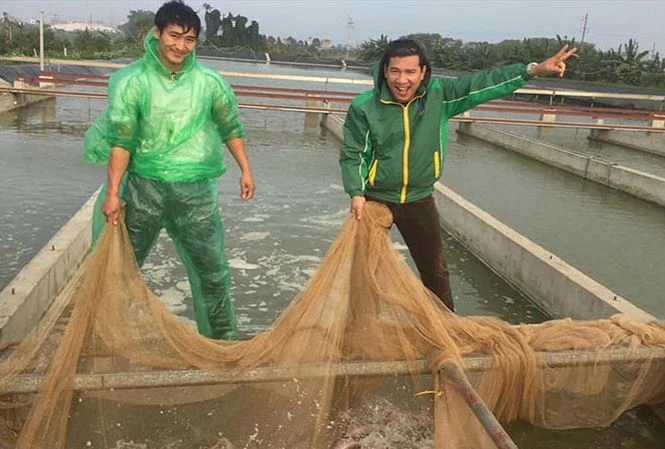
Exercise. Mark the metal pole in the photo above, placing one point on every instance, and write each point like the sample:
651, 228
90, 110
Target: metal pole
489, 422
41, 41
29, 383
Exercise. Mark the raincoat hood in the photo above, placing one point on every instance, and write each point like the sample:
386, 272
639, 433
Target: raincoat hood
174, 125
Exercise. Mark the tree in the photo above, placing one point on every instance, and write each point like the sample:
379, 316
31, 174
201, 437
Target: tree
10, 29
26, 41
510, 52
9, 25
443, 52
629, 62
91, 44
478, 55
240, 30
254, 39
213, 20
372, 49
138, 24
565, 41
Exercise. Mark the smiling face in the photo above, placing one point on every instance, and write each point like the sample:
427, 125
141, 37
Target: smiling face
404, 75
174, 45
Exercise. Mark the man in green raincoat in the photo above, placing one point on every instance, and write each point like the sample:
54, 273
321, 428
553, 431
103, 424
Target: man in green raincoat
161, 136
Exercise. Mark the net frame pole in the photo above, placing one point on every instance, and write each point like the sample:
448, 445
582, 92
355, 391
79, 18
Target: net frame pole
30, 383
484, 415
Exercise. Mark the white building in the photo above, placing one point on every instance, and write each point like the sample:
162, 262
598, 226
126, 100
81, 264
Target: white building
81, 26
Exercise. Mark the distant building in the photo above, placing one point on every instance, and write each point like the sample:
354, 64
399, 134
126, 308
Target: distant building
82, 26
326, 44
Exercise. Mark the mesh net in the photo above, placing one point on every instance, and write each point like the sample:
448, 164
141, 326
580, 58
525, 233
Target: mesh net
115, 369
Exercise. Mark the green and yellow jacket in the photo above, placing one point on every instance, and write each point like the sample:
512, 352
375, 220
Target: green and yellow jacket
394, 152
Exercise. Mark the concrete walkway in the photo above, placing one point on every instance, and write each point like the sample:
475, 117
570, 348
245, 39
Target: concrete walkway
637, 183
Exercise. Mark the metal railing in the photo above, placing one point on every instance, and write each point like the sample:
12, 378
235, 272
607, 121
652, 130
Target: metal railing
325, 101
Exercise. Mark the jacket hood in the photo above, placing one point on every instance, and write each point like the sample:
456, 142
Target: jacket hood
382, 87
151, 56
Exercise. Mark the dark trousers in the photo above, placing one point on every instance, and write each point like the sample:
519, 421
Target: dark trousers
418, 222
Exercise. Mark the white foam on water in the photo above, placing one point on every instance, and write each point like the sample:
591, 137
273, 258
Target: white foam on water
330, 220
243, 319
254, 236
258, 282
289, 286
174, 300
158, 275
184, 286
302, 258
330, 188
259, 218
508, 300
237, 253
240, 264
309, 271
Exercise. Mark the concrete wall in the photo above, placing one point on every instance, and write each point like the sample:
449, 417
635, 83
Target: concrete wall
551, 283
29, 294
9, 101
639, 184
334, 124
557, 287
647, 142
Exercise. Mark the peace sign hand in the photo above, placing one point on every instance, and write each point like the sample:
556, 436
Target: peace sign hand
555, 64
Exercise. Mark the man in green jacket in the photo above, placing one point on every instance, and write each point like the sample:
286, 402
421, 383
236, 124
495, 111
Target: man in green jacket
161, 136
395, 143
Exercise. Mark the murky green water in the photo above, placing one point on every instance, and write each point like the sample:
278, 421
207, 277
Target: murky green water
275, 242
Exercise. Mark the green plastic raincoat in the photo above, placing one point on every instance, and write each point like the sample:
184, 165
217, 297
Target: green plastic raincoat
174, 126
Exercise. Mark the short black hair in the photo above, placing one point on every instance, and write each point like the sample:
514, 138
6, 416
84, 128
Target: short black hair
176, 12
405, 47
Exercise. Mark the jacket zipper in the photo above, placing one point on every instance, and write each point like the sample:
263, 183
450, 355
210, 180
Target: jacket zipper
407, 144
372, 172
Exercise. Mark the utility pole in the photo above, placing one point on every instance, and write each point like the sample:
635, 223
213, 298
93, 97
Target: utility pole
8, 25
586, 17
41, 41
349, 27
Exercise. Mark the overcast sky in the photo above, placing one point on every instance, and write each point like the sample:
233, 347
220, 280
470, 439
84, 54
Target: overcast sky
610, 22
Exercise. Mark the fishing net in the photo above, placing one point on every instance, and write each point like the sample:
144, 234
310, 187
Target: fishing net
116, 370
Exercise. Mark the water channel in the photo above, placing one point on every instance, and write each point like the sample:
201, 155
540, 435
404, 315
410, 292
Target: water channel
275, 242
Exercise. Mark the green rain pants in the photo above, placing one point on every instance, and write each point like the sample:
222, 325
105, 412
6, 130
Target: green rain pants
189, 211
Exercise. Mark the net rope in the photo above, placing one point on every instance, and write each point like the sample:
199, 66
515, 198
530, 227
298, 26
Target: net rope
363, 304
